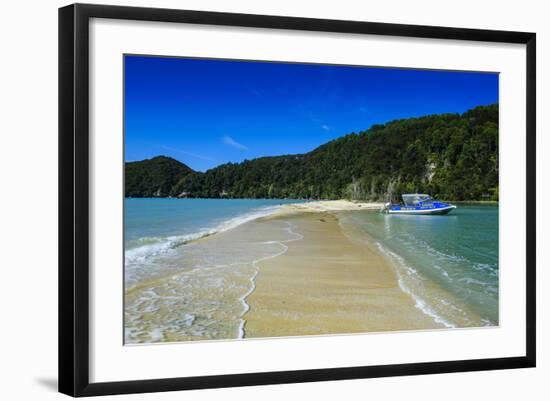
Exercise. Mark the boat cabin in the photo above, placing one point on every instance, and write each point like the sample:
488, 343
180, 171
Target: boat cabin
418, 204
416, 199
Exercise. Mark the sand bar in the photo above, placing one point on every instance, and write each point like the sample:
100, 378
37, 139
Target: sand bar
328, 283
331, 206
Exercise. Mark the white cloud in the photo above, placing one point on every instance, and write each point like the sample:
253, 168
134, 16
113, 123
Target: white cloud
325, 127
233, 143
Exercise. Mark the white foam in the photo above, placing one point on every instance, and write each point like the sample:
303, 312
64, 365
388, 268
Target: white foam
246, 306
157, 246
186, 323
419, 302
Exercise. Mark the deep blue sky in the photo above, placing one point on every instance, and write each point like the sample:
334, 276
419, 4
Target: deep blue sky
209, 112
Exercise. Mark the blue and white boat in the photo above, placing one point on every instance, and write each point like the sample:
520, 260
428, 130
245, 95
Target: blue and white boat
418, 204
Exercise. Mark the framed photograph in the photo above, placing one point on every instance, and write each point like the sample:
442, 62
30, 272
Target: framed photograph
250, 199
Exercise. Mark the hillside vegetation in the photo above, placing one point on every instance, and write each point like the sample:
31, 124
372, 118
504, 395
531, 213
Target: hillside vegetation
153, 177
449, 156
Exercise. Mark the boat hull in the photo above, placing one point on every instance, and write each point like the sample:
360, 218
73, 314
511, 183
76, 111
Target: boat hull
434, 211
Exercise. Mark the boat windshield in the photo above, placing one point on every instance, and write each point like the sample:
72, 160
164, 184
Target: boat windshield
416, 199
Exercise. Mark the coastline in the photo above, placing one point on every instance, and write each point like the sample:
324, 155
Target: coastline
294, 269
333, 206
328, 283
477, 202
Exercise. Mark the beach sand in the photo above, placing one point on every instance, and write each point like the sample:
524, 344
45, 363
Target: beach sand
327, 206
293, 273
328, 282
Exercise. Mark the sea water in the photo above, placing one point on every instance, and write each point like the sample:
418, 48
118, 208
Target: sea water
191, 263
179, 286
449, 264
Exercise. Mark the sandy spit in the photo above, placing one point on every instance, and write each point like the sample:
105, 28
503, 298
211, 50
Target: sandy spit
328, 283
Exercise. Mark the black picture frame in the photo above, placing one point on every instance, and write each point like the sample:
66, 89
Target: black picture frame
74, 198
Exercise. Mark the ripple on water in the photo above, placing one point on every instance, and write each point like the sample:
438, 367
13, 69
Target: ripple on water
198, 291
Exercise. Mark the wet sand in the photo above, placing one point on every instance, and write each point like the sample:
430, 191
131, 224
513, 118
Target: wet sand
328, 283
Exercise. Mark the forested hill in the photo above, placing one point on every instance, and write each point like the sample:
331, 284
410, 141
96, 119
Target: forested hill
153, 177
449, 156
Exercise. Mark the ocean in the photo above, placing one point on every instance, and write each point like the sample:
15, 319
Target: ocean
179, 287
154, 227
191, 263
449, 264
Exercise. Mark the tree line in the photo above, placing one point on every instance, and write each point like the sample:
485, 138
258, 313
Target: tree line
450, 156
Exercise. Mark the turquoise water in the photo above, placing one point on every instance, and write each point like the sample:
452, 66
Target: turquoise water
155, 227
448, 263
147, 218
179, 287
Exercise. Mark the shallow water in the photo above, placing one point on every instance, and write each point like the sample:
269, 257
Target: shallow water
449, 264
179, 286
182, 282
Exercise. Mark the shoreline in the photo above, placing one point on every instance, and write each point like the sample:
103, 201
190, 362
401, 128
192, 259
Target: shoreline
326, 283
478, 202
243, 299
301, 200
298, 269
333, 206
